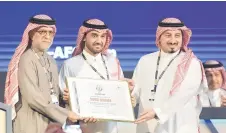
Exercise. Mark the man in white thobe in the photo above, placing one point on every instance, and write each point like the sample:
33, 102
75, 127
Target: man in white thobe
216, 78
168, 82
91, 60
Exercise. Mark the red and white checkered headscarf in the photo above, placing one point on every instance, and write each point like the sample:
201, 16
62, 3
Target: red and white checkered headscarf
185, 31
84, 30
11, 96
189, 55
216, 66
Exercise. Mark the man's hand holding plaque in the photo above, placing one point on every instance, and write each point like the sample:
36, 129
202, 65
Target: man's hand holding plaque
101, 99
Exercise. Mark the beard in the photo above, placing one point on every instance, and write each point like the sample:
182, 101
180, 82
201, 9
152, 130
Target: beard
93, 50
172, 51
214, 85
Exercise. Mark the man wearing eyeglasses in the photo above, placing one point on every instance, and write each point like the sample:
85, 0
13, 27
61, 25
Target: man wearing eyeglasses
32, 81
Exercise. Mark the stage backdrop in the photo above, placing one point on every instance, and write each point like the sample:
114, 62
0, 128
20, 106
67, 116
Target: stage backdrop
133, 25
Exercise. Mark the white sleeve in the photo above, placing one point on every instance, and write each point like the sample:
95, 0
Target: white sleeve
136, 77
64, 72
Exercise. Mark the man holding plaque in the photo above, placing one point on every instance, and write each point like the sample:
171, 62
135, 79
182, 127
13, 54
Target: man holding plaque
168, 82
32, 87
91, 60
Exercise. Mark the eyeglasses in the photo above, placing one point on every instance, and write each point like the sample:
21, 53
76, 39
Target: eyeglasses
44, 33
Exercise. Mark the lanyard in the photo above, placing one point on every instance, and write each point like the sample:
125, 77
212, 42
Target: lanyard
95, 70
210, 102
163, 72
50, 78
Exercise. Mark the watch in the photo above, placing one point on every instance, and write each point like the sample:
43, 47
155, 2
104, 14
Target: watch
156, 117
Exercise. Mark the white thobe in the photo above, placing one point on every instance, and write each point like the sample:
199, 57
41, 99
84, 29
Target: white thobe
178, 113
78, 67
213, 97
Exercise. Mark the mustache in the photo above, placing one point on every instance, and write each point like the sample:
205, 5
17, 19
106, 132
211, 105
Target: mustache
94, 44
172, 43
46, 40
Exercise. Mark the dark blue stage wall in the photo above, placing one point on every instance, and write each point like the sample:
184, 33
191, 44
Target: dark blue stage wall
133, 25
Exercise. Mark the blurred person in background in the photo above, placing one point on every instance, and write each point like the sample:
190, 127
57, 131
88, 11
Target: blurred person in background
216, 78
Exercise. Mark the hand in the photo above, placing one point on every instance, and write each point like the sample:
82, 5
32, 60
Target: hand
147, 115
130, 82
84, 127
223, 101
73, 117
66, 95
134, 101
90, 120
